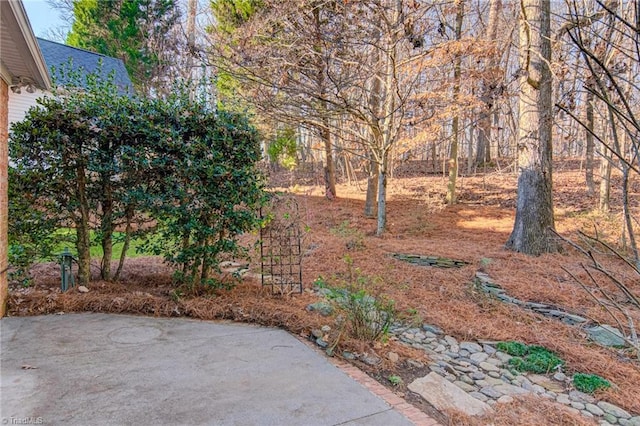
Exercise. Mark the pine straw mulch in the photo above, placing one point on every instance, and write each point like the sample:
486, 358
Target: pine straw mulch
418, 222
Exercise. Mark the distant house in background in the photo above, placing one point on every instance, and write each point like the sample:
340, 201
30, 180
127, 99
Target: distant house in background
57, 56
22, 67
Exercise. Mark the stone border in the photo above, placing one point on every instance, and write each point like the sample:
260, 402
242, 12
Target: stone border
482, 371
605, 335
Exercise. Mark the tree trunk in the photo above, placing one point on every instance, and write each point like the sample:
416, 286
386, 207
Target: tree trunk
483, 149
372, 187
534, 204
605, 181
453, 157
382, 196
82, 229
324, 130
127, 241
106, 229
589, 163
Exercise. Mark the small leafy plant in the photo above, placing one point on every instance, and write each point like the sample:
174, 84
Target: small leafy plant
395, 380
589, 383
512, 348
531, 358
367, 317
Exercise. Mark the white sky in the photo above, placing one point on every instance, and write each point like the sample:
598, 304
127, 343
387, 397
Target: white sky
44, 19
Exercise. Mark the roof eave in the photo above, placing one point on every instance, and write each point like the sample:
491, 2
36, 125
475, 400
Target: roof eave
35, 59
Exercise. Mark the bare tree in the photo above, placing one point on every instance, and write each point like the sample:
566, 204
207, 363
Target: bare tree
534, 204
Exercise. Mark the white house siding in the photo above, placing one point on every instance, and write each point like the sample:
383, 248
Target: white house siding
20, 103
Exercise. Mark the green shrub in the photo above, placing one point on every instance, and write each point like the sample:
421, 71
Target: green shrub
589, 383
367, 317
540, 362
512, 348
532, 358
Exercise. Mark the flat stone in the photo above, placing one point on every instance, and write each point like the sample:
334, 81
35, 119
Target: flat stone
489, 349
495, 361
452, 355
479, 357
477, 375
451, 341
494, 374
491, 392
564, 399
546, 383
528, 386
432, 329
488, 367
502, 356
472, 347
533, 305
586, 414
578, 396
606, 335
468, 380
610, 418
508, 389
613, 410
561, 377
447, 396
553, 395
464, 353
478, 395
507, 374
594, 409
538, 389
437, 370
465, 386
522, 380
466, 369
505, 399
393, 357
633, 421
439, 348
575, 318
455, 349
448, 368
494, 381
578, 405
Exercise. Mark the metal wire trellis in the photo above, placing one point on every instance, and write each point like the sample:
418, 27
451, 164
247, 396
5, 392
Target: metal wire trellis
281, 245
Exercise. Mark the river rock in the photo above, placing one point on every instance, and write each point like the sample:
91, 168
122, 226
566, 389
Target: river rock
606, 335
578, 396
465, 386
633, 421
594, 409
491, 392
479, 357
432, 329
613, 410
472, 347
546, 383
508, 389
447, 396
488, 367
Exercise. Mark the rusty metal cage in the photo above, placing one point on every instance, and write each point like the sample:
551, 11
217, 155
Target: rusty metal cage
281, 245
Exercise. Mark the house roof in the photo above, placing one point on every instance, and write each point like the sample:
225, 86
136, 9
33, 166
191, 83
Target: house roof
21, 62
57, 55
